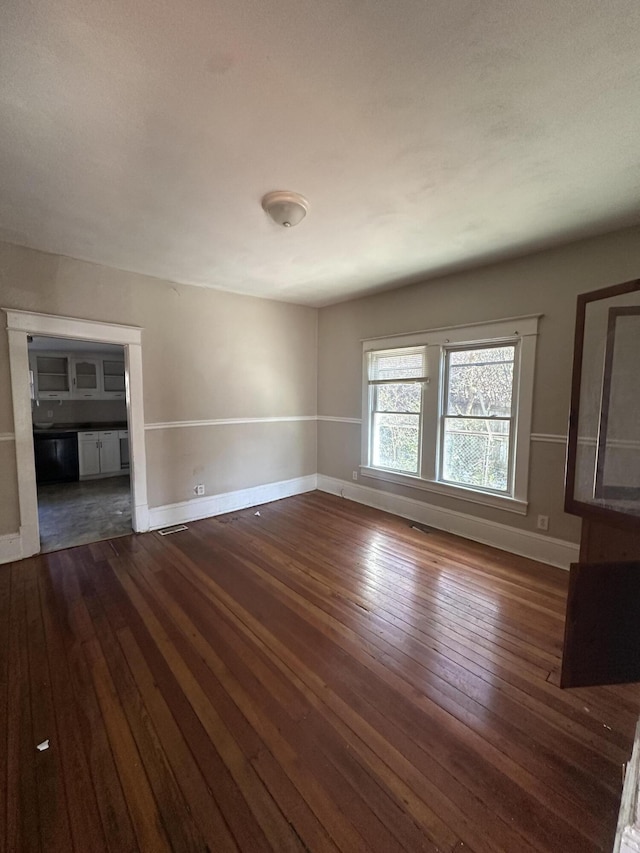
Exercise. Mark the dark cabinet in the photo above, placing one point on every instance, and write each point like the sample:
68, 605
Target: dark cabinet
56, 457
602, 641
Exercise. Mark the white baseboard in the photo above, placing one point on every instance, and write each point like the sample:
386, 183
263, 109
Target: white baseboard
10, 547
179, 513
140, 518
18, 546
556, 552
546, 549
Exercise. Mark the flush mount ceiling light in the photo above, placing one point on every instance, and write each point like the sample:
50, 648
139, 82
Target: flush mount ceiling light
285, 208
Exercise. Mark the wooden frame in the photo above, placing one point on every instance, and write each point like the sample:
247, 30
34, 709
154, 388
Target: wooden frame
572, 504
23, 323
601, 489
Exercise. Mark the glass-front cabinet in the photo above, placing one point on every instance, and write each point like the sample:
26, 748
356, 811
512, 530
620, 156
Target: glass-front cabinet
67, 376
602, 640
603, 462
113, 379
85, 378
51, 376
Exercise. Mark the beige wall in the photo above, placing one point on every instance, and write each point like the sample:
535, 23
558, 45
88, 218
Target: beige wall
545, 283
9, 511
207, 355
228, 457
213, 355
79, 411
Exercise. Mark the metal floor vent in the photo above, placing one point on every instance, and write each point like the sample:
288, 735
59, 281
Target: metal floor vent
423, 528
167, 530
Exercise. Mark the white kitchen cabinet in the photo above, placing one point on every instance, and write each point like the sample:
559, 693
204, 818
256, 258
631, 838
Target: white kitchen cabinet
113, 387
98, 453
109, 452
88, 454
50, 376
65, 375
86, 378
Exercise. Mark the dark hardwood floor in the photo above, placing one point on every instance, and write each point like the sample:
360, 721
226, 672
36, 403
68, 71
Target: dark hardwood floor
319, 677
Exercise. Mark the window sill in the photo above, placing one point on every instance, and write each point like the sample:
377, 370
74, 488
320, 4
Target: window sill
508, 504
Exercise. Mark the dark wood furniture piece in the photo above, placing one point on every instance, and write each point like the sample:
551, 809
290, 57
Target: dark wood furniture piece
602, 628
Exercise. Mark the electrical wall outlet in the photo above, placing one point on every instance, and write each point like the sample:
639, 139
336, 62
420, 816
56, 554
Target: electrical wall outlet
543, 522
199, 489
355, 475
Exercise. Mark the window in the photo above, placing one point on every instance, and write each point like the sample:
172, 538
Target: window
450, 411
396, 380
477, 417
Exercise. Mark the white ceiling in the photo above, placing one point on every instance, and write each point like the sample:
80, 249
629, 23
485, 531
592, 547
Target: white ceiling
427, 134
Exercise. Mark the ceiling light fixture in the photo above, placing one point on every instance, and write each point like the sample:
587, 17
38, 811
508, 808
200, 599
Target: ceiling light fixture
285, 208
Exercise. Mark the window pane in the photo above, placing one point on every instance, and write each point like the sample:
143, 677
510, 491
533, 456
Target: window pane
397, 364
480, 382
475, 356
398, 398
476, 453
396, 442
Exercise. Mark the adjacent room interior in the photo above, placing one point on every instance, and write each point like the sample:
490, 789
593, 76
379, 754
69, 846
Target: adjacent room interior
80, 441
319, 447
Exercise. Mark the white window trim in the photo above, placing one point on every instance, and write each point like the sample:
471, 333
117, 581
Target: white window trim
524, 330
474, 496
371, 397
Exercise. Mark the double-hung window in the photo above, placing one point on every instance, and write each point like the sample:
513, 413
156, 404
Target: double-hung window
476, 446
396, 380
450, 411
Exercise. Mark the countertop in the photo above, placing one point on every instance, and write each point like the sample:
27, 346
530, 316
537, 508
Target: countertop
83, 427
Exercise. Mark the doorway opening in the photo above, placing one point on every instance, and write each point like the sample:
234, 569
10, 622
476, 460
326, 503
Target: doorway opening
23, 325
80, 441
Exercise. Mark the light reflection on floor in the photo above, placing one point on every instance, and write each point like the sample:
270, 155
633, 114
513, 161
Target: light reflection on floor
456, 607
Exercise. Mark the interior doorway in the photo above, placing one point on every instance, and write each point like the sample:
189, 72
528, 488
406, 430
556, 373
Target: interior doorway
71, 333
80, 441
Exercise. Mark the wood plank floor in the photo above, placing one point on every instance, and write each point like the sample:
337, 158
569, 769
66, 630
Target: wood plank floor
320, 677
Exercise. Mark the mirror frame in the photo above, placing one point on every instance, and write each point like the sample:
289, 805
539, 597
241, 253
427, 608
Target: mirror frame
571, 503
